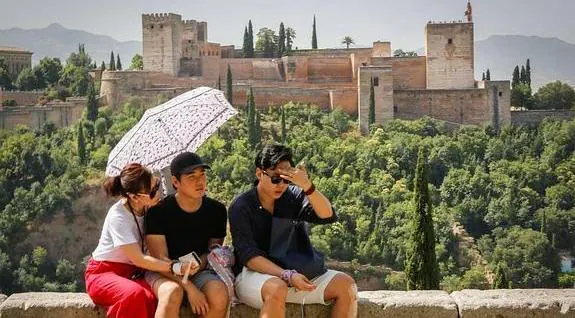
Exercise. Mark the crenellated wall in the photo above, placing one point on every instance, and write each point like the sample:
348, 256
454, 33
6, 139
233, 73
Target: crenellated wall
513, 303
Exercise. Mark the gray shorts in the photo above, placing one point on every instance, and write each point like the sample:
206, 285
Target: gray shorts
199, 279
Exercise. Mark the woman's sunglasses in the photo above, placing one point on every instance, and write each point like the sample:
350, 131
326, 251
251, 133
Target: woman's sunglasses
153, 191
276, 179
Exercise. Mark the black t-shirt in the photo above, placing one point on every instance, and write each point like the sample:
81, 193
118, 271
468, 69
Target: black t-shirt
186, 232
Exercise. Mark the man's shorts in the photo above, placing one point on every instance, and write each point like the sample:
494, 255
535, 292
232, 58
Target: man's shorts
199, 279
249, 289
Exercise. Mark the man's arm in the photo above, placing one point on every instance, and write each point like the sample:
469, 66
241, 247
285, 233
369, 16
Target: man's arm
157, 248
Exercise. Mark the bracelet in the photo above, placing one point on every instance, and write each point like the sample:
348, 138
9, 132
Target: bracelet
310, 190
172, 267
287, 274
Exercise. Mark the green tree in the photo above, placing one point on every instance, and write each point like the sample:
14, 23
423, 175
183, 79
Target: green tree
137, 62
118, 63
371, 116
421, 268
112, 64
246, 43
229, 87
528, 72
314, 35
500, 281
267, 42
523, 75
219, 86
283, 123
521, 96
51, 69
103, 66
27, 80
91, 104
290, 36
483, 76
5, 79
282, 40
402, 53
555, 95
81, 144
347, 40
488, 75
250, 39
75, 75
515, 81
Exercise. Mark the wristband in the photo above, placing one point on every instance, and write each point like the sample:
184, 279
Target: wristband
287, 274
310, 190
176, 268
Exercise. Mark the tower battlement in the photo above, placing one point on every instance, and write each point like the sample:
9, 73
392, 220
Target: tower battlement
161, 17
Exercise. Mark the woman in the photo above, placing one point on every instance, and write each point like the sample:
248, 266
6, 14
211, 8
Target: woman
114, 275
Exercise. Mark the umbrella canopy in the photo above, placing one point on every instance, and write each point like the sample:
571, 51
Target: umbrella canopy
181, 124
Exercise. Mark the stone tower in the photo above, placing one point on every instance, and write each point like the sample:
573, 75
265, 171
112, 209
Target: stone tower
450, 56
162, 46
382, 78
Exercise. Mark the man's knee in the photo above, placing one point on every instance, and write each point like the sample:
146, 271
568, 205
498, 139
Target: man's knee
342, 286
274, 290
171, 293
217, 294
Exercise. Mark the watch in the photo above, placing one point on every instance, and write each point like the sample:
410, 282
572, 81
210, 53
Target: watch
310, 190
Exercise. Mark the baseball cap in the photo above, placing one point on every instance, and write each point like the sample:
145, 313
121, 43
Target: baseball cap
186, 162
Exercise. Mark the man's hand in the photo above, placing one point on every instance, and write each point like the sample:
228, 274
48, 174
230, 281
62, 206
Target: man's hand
300, 282
197, 299
297, 176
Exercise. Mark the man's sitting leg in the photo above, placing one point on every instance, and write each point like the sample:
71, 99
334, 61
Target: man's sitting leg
274, 293
218, 299
170, 295
342, 290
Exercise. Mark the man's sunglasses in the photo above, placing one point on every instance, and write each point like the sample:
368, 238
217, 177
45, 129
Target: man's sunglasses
276, 179
153, 191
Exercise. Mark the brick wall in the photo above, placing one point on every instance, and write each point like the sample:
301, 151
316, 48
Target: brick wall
21, 98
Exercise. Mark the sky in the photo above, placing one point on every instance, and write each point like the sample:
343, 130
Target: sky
400, 21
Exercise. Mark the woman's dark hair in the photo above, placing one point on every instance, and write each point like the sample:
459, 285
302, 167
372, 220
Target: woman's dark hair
271, 155
133, 179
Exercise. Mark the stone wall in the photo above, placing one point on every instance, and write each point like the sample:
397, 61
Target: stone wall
450, 57
344, 100
161, 33
62, 114
515, 303
329, 69
21, 98
534, 117
408, 72
383, 91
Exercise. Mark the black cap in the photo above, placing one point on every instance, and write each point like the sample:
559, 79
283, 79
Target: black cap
185, 163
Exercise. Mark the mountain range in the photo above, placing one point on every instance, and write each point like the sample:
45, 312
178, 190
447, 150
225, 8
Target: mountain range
551, 58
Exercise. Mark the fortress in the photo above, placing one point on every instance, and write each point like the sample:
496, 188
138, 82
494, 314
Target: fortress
178, 56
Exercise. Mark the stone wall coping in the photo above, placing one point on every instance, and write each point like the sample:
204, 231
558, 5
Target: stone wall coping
466, 303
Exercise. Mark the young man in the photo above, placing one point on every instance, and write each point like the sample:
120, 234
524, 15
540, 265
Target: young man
181, 223
261, 283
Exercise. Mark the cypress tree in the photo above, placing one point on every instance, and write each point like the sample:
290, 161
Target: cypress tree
500, 281
314, 35
103, 66
219, 82
252, 119
229, 88
245, 48
281, 40
91, 104
371, 116
488, 75
249, 109
257, 129
81, 144
483, 76
515, 79
289, 40
523, 75
284, 131
528, 72
112, 65
421, 266
118, 63
250, 39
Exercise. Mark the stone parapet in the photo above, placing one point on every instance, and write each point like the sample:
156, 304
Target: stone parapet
465, 303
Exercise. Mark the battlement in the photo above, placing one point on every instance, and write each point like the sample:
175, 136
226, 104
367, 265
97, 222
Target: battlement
447, 23
192, 22
161, 17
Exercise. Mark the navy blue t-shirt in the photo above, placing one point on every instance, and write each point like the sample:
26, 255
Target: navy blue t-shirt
250, 223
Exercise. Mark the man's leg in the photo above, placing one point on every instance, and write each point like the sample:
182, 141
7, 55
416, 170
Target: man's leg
274, 293
218, 299
343, 291
170, 295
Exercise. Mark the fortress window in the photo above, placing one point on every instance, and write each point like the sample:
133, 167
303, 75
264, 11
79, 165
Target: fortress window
161, 26
500, 94
152, 26
394, 109
376, 81
449, 41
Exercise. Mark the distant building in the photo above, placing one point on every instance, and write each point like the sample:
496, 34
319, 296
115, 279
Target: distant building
16, 59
